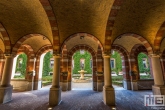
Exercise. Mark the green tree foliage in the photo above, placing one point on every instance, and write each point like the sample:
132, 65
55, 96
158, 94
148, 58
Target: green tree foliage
118, 62
77, 56
46, 64
21, 64
142, 69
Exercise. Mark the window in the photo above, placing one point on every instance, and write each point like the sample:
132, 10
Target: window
91, 63
82, 51
51, 63
20, 60
112, 63
82, 63
73, 64
145, 63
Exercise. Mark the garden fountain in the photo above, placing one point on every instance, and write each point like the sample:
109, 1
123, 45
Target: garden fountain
82, 72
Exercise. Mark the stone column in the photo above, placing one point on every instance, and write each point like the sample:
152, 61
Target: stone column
64, 74
5, 87
32, 85
2, 61
108, 90
158, 88
133, 73
55, 90
99, 81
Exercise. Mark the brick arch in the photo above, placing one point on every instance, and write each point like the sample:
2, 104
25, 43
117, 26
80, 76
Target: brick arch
27, 49
42, 50
140, 38
6, 39
87, 48
138, 48
125, 63
52, 19
82, 34
20, 41
110, 23
159, 37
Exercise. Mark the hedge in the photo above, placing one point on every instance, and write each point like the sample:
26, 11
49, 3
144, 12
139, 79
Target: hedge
76, 57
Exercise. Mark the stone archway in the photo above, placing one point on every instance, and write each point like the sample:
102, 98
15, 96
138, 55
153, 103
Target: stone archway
38, 66
125, 65
136, 83
93, 54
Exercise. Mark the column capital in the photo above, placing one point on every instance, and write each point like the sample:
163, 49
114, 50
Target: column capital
57, 55
9, 55
106, 55
154, 55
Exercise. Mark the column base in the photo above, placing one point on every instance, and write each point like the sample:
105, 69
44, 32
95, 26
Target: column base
69, 86
30, 86
109, 96
5, 94
64, 86
134, 86
37, 85
126, 85
54, 96
99, 86
158, 90
94, 86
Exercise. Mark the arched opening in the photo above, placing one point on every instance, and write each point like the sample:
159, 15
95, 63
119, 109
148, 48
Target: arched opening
19, 66
144, 67
46, 68
116, 69
82, 70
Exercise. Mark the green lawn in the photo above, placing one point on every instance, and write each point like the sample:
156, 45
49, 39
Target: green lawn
117, 80
46, 80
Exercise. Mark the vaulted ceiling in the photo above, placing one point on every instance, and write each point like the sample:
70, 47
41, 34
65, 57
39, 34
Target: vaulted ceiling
23, 17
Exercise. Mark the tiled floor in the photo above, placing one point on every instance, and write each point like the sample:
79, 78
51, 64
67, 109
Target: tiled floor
77, 100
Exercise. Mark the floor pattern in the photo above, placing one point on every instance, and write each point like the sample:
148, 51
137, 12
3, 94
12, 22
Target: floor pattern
77, 100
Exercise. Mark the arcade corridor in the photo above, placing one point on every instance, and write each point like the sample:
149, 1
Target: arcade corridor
77, 100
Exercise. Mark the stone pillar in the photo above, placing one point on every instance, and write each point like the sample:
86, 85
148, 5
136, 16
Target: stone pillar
69, 78
64, 74
158, 88
1, 67
133, 73
99, 81
108, 90
55, 90
5, 87
31, 74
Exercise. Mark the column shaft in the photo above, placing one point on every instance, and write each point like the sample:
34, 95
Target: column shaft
56, 72
108, 90
6, 77
107, 72
157, 70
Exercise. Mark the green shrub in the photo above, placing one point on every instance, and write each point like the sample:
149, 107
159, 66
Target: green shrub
19, 77
46, 64
21, 67
77, 56
47, 78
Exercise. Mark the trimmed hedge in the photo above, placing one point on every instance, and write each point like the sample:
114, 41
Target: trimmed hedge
46, 64
118, 62
21, 68
140, 63
77, 56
